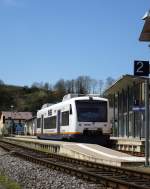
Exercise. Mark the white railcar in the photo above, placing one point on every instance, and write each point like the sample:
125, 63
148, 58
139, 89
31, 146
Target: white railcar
77, 118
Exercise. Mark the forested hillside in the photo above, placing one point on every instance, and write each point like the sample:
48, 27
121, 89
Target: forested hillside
24, 98
32, 98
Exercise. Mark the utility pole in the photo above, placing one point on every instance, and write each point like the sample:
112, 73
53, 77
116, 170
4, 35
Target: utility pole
141, 68
147, 122
11, 129
145, 36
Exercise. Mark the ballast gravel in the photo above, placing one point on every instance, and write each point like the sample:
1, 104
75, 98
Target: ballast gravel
33, 176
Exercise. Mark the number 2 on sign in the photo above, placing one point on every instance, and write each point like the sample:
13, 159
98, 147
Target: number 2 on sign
140, 66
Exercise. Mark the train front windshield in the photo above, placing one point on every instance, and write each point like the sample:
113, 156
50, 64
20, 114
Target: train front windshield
91, 111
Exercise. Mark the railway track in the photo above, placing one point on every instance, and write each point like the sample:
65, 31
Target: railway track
139, 154
109, 176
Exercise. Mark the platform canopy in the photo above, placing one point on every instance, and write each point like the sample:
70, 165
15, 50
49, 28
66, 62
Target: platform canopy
122, 83
145, 34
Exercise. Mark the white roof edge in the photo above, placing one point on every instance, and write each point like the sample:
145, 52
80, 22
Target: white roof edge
70, 96
146, 15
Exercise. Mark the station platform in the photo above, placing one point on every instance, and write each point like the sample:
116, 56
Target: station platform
91, 152
129, 144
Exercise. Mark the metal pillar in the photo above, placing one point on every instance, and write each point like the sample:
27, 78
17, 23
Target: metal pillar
127, 124
114, 118
147, 122
11, 129
118, 129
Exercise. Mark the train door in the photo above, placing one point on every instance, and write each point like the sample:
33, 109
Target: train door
42, 123
58, 121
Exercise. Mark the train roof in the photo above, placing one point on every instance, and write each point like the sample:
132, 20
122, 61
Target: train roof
70, 98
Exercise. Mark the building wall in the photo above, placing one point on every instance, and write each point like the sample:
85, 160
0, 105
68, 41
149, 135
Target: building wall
12, 122
128, 102
1, 124
127, 122
30, 127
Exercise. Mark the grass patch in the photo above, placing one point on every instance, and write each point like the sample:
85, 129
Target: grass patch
8, 183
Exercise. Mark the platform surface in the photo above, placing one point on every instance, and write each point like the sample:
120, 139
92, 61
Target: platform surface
84, 150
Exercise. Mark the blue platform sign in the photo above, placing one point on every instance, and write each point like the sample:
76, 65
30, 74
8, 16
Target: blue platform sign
138, 108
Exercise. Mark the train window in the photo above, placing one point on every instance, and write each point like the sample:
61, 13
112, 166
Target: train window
65, 118
49, 112
47, 123
70, 109
92, 111
38, 122
50, 122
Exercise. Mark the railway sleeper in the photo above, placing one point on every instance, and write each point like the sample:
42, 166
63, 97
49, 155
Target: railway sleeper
101, 172
133, 179
106, 182
143, 182
86, 177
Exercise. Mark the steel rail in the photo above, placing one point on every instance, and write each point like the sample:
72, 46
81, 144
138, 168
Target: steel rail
121, 170
114, 177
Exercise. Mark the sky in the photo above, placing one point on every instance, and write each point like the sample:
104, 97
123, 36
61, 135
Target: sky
47, 40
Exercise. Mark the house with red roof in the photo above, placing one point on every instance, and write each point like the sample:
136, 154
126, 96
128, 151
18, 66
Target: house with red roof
13, 122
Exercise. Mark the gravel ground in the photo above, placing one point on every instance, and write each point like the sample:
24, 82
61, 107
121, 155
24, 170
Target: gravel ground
33, 176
